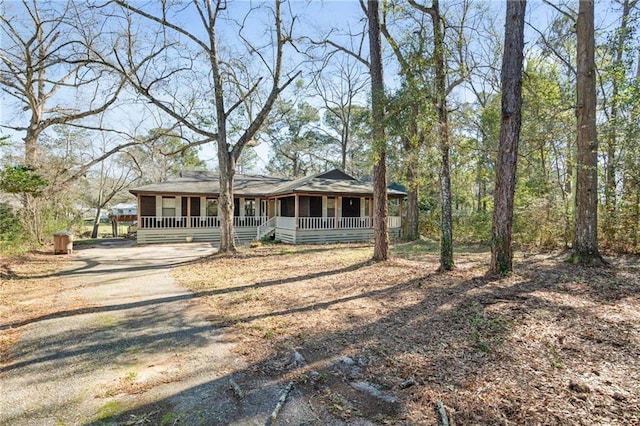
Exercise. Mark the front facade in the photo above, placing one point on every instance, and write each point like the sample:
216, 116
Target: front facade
327, 207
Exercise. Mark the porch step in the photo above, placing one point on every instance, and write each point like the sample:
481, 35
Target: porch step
268, 232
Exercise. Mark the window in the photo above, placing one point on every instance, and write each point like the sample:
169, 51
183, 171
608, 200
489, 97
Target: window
249, 207
212, 207
331, 207
168, 206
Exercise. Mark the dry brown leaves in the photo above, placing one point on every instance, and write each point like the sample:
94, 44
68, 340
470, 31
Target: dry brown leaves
553, 344
27, 290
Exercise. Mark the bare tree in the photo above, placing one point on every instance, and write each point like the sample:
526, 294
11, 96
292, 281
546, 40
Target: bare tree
111, 178
242, 97
585, 246
501, 250
47, 69
339, 87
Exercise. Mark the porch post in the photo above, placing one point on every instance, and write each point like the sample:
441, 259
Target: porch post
188, 212
242, 212
268, 209
138, 211
203, 206
338, 210
297, 206
158, 205
324, 206
178, 206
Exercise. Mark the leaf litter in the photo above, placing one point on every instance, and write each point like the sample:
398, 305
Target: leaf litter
551, 344
388, 342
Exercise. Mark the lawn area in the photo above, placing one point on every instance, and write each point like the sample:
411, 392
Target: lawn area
552, 344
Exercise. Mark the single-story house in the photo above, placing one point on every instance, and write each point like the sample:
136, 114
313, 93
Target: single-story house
124, 209
326, 207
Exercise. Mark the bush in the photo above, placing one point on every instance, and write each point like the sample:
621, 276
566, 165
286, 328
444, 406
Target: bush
12, 234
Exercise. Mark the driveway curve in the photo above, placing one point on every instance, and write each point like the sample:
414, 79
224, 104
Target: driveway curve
126, 335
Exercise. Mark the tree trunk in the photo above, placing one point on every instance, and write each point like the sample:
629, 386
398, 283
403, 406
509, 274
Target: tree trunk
225, 201
412, 145
32, 207
446, 238
610, 218
344, 143
380, 231
96, 223
501, 249
411, 229
585, 245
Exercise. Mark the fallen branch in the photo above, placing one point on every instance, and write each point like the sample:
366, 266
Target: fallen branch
281, 401
237, 390
407, 383
443, 420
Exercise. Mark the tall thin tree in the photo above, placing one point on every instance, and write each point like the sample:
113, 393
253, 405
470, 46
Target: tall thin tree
440, 70
380, 231
585, 245
501, 250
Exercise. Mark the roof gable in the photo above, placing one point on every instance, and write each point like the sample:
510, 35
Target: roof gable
334, 174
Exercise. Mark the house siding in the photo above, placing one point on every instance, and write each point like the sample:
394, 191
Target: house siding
153, 236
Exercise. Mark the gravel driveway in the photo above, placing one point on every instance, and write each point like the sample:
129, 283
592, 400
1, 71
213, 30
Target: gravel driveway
133, 342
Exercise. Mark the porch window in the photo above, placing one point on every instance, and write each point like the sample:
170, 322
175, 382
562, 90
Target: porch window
168, 206
288, 207
147, 205
331, 206
350, 207
249, 207
212, 207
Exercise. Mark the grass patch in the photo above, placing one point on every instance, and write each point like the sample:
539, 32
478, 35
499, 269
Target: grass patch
109, 410
169, 419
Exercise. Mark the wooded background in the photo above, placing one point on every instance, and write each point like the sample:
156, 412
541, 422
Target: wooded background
99, 97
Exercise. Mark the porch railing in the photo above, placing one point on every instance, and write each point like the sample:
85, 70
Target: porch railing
266, 227
283, 222
152, 222
394, 221
316, 223
308, 223
355, 222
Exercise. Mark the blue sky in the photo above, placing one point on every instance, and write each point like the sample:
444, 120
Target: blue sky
316, 17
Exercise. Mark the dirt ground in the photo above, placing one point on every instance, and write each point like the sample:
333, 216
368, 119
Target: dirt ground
388, 343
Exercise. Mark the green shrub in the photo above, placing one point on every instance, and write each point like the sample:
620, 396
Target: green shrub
13, 238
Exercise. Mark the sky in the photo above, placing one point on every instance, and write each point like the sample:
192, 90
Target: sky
316, 17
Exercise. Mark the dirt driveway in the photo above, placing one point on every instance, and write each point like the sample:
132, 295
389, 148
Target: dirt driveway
129, 346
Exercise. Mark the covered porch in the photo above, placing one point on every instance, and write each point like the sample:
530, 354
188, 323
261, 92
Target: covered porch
298, 218
309, 218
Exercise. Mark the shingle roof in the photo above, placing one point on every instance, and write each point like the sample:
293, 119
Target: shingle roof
329, 182
206, 183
